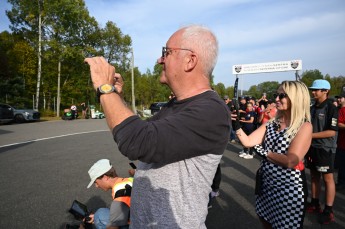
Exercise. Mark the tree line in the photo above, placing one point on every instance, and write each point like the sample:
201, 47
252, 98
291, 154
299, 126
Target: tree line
41, 61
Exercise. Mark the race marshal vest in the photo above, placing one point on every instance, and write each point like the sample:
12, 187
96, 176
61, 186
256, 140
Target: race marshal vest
122, 191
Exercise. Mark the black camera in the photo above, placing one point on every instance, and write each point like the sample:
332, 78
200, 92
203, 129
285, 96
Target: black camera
79, 211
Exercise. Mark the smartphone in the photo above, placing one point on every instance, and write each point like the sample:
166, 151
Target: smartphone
132, 165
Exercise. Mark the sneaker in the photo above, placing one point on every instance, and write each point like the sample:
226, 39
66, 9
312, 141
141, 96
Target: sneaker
311, 208
242, 154
233, 141
326, 217
248, 156
214, 194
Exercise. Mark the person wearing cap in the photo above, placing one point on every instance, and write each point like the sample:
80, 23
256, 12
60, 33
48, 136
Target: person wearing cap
320, 156
340, 154
104, 176
178, 150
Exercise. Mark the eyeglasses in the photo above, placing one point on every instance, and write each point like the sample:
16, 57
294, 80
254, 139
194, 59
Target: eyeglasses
166, 51
280, 95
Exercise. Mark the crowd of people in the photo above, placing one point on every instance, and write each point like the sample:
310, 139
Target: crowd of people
179, 150
324, 154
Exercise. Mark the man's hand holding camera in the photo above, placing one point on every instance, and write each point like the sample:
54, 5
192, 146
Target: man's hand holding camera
104, 73
89, 219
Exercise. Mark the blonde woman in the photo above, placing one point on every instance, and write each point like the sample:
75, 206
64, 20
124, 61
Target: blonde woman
281, 190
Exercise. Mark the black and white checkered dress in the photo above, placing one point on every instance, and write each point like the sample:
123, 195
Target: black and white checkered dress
281, 201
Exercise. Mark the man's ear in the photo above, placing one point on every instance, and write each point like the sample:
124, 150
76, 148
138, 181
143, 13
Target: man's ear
105, 177
191, 62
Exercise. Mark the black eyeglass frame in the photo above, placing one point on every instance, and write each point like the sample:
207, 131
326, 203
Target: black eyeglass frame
280, 95
165, 50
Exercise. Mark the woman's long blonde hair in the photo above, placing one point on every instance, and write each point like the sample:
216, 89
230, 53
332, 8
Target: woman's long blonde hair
298, 94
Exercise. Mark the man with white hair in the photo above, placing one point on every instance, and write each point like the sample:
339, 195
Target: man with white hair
180, 148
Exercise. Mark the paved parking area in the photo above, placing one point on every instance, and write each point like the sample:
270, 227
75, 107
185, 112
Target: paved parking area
40, 178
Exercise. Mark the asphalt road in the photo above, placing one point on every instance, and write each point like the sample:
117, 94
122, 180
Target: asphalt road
43, 168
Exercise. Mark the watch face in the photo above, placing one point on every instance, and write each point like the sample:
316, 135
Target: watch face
105, 88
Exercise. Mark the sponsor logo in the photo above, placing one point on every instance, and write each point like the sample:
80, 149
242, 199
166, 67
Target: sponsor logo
238, 69
322, 168
334, 122
294, 64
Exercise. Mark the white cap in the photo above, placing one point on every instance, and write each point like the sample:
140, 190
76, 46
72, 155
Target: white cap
98, 169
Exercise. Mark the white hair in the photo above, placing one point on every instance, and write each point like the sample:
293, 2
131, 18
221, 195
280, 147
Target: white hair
201, 40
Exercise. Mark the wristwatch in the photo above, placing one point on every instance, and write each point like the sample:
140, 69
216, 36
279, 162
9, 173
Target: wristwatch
105, 89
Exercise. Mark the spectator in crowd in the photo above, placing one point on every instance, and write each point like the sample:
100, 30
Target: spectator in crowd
257, 111
178, 149
243, 107
269, 112
231, 107
104, 176
281, 184
320, 157
340, 154
83, 109
263, 101
74, 111
334, 101
248, 127
215, 185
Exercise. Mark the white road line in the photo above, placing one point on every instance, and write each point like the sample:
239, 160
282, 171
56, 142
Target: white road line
59, 136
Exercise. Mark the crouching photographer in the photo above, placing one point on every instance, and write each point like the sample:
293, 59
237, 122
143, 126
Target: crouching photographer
104, 176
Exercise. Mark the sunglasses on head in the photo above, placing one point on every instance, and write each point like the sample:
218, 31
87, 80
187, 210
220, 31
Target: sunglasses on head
280, 95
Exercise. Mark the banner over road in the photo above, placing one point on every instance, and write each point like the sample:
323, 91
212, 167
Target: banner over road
280, 66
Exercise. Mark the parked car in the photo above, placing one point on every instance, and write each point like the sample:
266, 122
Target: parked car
26, 115
6, 113
95, 114
98, 115
155, 107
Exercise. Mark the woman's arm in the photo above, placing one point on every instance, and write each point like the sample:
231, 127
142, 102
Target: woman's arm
254, 138
297, 149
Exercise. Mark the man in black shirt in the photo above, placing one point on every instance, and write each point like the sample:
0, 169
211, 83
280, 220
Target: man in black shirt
320, 157
181, 146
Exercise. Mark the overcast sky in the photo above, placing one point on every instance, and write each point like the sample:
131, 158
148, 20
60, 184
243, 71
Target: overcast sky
248, 31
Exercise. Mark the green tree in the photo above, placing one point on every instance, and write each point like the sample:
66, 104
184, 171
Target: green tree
115, 46
269, 87
17, 80
310, 75
220, 89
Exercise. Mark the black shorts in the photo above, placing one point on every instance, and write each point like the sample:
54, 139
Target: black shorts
321, 160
